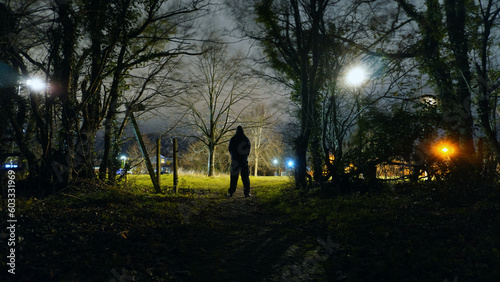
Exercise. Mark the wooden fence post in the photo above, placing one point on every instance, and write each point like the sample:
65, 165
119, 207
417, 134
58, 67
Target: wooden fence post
158, 161
176, 166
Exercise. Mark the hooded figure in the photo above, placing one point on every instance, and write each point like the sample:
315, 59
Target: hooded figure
239, 148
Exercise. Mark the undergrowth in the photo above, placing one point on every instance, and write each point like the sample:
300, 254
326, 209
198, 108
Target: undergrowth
434, 231
91, 232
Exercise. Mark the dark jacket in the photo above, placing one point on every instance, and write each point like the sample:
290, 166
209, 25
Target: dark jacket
239, 146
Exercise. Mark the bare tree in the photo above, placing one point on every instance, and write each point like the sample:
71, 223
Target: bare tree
260, 122
221, 91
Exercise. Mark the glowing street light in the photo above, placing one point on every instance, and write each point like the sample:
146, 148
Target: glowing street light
275, 163
36, 84
444, 149
124, 159
356, 76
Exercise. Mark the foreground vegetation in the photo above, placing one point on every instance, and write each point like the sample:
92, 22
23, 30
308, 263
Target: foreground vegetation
441, 231
437, 231
89, 233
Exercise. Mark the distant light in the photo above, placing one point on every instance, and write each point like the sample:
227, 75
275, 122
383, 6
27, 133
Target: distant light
275, 161
445, 150
290, 164
36, 84
430, 100
356, 76
123, 157
11, 166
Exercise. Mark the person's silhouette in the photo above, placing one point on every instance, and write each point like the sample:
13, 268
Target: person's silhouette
239, 148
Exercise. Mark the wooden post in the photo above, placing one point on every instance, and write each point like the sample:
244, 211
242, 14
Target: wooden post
145, 154
158, 161
176, 166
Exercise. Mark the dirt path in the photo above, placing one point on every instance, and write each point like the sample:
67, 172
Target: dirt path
233, 240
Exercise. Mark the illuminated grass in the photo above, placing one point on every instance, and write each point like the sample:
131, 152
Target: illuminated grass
219, 183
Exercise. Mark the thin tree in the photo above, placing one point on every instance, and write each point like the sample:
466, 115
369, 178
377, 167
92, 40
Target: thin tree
260, 122
221, 91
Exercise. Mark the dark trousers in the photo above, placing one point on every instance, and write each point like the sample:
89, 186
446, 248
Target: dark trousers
238, 167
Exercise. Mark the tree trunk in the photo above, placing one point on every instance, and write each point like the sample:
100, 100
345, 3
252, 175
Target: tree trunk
301, 164
111, 116
63, 77
85, 155
106, 165
256, 163
456, 19
105, 156
211, 160
486, 110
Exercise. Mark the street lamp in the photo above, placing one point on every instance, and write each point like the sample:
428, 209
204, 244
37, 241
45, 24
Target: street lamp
124, 159
356, 76
444, 149
36, 84
275, 163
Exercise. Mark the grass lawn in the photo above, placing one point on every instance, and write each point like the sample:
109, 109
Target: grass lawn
197, 182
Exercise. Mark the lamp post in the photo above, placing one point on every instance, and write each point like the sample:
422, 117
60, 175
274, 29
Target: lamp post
124, 160
354, 78
275, 163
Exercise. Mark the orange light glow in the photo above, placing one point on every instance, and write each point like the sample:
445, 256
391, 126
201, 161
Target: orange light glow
444, 149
